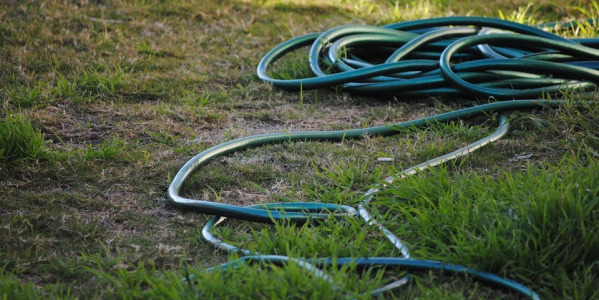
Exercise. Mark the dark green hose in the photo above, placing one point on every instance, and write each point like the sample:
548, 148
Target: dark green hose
457, 57
421, 63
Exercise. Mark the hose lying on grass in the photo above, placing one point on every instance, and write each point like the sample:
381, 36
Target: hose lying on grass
457, 57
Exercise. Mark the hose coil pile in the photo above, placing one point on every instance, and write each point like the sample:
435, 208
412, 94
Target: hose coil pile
453, 56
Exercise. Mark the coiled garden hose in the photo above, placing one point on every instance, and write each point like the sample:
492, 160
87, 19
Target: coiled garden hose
456, 57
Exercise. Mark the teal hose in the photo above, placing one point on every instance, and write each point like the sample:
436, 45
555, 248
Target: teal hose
261, 215
457, 57
421, 64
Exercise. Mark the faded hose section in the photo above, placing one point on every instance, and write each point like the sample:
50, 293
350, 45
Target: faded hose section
510, 65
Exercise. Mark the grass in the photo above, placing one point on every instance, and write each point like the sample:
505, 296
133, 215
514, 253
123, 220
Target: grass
103, 102
538, 225
20, 140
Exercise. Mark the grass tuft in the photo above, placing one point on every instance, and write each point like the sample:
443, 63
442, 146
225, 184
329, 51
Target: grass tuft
107, 149
19, 140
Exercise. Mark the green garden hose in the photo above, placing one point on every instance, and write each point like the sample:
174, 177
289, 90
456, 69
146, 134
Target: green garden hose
455, 57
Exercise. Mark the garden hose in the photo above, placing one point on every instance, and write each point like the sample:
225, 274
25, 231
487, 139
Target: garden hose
454, 57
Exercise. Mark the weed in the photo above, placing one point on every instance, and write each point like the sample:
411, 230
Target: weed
522, 15
19, 140
107, 149
163, 138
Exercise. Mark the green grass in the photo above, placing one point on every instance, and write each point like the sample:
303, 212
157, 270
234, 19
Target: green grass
20, 140
103, 101
107, 150
539, 225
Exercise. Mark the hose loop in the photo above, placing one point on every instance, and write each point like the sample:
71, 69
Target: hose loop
458, 57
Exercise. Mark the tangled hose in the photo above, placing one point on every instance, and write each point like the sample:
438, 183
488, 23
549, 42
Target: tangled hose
436, 57
457, 57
